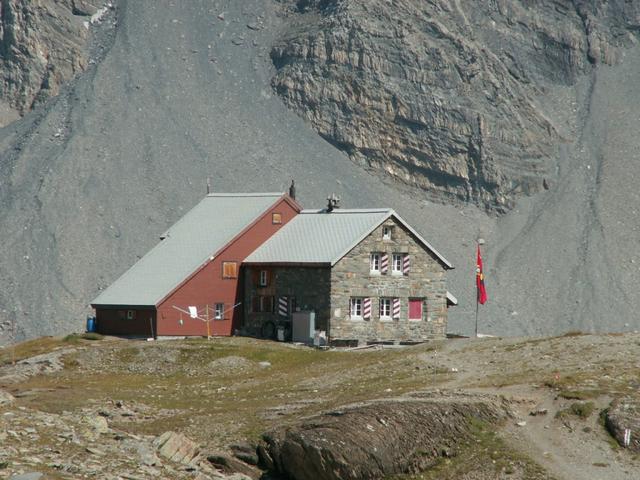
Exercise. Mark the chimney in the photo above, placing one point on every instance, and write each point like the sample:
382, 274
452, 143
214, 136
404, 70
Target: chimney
292, 189
333, 202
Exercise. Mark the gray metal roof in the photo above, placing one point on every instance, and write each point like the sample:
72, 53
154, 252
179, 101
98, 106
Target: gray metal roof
201, 233
320, 237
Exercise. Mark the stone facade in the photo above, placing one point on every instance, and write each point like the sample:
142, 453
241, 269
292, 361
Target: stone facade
426, 280
328, 292
306, 288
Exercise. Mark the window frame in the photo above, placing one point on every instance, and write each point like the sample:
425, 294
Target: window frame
375, 259
400, 257
389, 304
276, 218
131, 314
387, 232
263, 278
235, 269
356, 304
218, 315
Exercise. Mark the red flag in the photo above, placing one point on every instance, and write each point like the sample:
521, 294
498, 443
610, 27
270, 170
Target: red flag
482, 292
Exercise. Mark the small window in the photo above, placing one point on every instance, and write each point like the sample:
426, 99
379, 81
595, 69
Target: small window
396, 263
276, 218
131, 314
219, 311
229, 269
374, 263
386, 233
385, 309
355, 308
264, 278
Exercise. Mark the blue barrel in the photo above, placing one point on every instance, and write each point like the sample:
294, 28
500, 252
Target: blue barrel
91, 324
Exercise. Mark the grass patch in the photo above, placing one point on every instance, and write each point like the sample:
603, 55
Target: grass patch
77, 337
485, 455
581, 410
578, 394
574, 333
28, 349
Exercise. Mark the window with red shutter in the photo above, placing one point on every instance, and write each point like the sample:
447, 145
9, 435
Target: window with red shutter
415, 309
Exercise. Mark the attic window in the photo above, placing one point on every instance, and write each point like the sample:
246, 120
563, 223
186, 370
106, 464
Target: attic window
276, 218
131, 314
229, 270
386, 232
264, 278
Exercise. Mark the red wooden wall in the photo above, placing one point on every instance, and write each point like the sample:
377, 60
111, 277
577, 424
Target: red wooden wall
207, 286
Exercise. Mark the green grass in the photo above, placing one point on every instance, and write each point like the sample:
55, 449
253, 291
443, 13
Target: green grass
28, 349
581, 410
78, 337
485, 455
242, 402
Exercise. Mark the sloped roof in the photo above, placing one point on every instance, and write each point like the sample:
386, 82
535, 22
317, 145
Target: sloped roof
321, 237
190, 242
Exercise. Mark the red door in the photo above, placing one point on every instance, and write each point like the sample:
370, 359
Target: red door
415, 309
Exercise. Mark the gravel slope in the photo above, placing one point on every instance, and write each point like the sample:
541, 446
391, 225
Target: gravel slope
88, 182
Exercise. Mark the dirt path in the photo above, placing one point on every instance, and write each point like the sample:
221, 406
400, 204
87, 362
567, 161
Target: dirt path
569, 448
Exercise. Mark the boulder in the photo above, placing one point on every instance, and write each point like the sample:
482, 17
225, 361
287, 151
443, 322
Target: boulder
177, 448
374, 440
6, 398
624, 414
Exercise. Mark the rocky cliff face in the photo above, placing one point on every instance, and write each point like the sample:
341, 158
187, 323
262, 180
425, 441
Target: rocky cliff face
442, 95
42, 46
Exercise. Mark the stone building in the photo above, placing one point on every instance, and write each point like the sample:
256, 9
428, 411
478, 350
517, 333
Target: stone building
368, 276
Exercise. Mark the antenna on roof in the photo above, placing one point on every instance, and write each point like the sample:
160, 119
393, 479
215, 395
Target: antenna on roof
292, 189
208, 185
333, 202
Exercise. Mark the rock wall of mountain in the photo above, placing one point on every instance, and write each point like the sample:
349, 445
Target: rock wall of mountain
42, 46
442, 95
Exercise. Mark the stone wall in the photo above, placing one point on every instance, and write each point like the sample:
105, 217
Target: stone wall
309, 287
351, 277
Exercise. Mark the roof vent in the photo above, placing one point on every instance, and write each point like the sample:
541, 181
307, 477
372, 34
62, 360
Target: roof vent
333, 202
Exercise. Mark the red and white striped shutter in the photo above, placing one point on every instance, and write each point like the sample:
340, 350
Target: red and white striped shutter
283, 306
366, 308
396, 308
384, 263
406, 264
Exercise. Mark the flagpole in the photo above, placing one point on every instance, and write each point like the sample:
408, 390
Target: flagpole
477, 309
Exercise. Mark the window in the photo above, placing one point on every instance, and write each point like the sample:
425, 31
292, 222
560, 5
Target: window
396, 264
385, 308
415, 309
229, 269
356, 308
219, 311
264, 278
386, 233
263, 304
374, 263
276, 218
131, 314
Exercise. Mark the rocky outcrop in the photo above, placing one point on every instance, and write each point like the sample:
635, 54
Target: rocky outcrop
42, 46
374, 440
624, 415
442, 95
